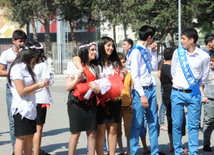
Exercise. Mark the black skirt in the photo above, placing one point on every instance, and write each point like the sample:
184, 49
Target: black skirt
41, 114
24, 126
110, 113
82, 114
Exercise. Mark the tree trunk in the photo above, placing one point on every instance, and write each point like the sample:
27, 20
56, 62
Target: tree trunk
114, 34
48, 45
124, 29
162, 40
74, 53
170, 39
34, 29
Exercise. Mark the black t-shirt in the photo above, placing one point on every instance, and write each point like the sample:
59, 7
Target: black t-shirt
166, 82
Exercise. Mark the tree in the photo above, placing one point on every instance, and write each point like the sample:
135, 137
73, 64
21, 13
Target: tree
204, 10
163, 14
73, 12
22, 16
26, 11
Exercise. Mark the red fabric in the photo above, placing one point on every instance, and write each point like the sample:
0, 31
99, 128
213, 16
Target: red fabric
82, 88
114, 92
46, 106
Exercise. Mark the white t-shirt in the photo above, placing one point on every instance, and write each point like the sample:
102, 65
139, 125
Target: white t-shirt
7, 57
25, 104
43, 95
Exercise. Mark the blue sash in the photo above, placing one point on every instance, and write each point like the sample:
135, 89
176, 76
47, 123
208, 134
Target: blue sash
193, 83
144, 56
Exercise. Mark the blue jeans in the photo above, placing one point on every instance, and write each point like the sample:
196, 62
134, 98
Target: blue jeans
104, 147
137, 121
162, 110
143, 129
178, 101
10, 116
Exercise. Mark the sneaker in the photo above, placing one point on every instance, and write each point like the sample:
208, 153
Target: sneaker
207, 148
41, 152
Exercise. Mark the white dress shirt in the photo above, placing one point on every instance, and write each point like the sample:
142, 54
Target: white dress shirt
139, 71
106, 71
25, 104
43, 95
199, 62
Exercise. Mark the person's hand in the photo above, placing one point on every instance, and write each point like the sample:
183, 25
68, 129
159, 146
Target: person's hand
124, 72
144, 101
80, 75
41, 84
47, 81
204, 100
153, 46
95, 87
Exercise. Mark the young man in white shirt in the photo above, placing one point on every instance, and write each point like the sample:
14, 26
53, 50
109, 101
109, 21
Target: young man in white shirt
141, 62
127, 45
209, 41
6, 59
190, 70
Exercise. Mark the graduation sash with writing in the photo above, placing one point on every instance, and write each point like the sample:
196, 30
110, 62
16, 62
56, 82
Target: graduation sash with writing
193, 83
144, 56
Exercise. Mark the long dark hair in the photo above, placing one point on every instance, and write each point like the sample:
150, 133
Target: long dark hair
40, 53
26, 53
83, 54
112, 59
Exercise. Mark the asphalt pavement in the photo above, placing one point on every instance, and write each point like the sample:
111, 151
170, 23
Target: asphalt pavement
56, 132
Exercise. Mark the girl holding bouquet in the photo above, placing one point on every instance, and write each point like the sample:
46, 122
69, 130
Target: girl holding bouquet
82, 112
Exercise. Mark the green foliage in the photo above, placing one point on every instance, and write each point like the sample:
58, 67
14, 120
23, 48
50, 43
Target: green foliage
204, 15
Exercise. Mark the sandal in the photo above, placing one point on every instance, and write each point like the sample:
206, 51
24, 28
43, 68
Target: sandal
105, 153
185, 151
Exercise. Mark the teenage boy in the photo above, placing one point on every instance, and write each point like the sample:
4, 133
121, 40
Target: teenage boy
189, 70
6, 59
209, 41
141, 62
127, 46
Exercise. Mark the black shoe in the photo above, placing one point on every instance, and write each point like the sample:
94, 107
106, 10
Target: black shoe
207, 148
41, 152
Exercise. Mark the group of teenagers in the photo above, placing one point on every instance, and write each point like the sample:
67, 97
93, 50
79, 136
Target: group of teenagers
27, 93
185, 70
106, 86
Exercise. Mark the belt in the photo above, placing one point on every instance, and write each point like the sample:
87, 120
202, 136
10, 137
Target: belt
211, 99
148, 87
183, 90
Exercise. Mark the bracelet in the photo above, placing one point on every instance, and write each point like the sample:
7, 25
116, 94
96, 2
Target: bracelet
203, 96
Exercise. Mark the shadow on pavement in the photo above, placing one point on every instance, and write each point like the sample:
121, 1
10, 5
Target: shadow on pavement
4, 142
54, 132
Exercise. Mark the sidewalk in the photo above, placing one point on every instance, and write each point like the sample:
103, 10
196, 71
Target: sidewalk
56, 132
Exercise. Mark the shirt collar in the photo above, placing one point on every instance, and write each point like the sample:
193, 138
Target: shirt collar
194, 53
14, 51
139, 43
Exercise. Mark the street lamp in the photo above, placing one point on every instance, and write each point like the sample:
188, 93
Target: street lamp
179, 22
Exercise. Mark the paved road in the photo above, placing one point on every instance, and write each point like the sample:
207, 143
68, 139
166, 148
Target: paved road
56, 130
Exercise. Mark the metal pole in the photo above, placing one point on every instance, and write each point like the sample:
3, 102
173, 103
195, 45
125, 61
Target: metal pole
179, 22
